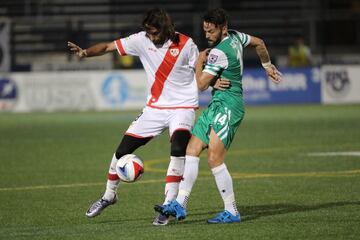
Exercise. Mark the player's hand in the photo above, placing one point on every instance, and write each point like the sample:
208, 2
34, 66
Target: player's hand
274, 74
202, 58
77, 50
221, 84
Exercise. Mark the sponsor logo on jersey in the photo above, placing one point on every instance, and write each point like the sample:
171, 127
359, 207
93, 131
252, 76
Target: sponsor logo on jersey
174, 52
234, 43
212, 58
152, 49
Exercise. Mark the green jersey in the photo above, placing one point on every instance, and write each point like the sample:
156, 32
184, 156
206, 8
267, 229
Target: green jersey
226, 61
226, 109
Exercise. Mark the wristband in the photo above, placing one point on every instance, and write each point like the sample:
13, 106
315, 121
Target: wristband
266, 65
84, 52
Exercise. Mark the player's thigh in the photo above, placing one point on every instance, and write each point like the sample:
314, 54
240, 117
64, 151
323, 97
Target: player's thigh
216, 150
195, 146
203, 125
151, 122
225, 123
181, 119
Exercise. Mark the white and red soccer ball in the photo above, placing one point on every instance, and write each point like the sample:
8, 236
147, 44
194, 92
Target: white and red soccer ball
129, 168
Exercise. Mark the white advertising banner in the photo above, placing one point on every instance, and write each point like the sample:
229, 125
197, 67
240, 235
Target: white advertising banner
340, 84
71, 91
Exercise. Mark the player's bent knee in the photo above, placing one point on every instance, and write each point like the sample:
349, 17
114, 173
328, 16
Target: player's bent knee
195, 146
192, 150
121, 152
179, 142
214, 159
129, 144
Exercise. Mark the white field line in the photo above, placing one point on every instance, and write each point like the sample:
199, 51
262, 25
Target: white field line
334, 154
347, 173
150, 167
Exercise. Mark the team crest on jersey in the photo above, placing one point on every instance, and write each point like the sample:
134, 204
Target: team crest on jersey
212, 58
174, 52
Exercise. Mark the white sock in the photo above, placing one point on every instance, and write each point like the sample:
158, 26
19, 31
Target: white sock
190, 174
225, 186
173, 178
112, 182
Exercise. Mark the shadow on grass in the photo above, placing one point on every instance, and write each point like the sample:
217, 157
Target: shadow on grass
249, 213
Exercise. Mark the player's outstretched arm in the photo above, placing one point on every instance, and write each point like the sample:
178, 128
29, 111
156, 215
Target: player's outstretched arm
96, 50
273, 73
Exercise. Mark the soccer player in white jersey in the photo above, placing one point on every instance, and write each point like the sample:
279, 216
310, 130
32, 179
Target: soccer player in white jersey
168, 58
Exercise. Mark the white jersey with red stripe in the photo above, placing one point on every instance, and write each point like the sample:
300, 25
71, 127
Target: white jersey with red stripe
170, 69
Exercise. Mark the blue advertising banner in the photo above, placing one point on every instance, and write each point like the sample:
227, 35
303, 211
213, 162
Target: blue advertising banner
299, 85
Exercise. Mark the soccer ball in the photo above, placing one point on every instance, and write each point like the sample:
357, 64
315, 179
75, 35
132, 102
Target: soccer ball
129, 168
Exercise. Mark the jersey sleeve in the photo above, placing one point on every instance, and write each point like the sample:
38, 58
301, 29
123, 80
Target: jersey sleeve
193, 54
244, 38
216, 62
129, 45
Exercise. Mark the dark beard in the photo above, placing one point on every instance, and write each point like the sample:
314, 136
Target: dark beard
213, 44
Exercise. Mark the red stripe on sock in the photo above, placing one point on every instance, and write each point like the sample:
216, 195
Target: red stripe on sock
113, 177
170, 179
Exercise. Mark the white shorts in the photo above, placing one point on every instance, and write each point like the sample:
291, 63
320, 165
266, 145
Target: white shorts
152, 121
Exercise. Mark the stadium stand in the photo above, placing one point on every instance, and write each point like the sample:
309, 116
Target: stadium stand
41, 28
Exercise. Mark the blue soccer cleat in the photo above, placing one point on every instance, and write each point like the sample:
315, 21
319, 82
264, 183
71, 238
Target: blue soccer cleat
161, 209
172, 209
225, 217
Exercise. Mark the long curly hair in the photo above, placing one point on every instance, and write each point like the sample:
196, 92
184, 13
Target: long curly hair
161, 20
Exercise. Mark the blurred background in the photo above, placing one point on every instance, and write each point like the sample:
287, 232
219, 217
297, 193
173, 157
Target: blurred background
303, 34
294, 161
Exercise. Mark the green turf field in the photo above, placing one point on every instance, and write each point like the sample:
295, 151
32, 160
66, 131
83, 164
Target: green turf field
53, 165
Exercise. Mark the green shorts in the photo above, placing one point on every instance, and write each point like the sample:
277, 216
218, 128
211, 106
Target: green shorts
223, 119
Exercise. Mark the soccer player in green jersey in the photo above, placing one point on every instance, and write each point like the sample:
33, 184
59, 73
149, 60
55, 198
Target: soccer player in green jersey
216, 127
